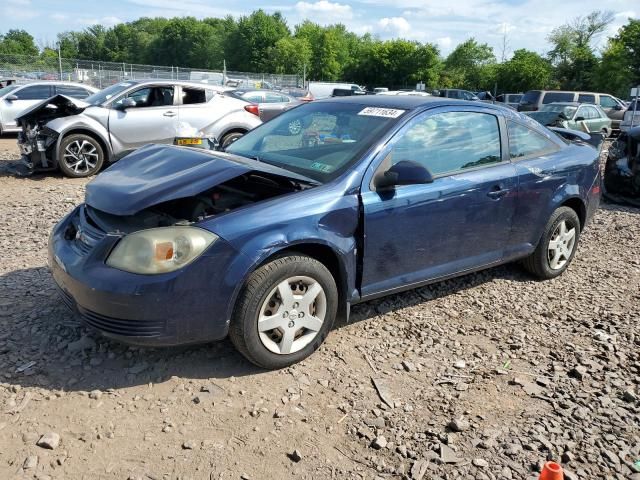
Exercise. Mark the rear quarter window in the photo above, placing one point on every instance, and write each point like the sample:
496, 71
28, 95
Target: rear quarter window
550, 97
526, 142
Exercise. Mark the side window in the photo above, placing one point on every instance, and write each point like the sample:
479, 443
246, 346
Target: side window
151, 97
607, 102
450, 142
595, 113
193, 95
274, 98
71, 91
582, 112
34, 92
586, 98
254, 97
551, 97
524, 142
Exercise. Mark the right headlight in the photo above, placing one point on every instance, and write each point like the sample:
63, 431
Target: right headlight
160, 250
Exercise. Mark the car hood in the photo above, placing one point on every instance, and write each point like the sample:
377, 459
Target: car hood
158, 173
53, 107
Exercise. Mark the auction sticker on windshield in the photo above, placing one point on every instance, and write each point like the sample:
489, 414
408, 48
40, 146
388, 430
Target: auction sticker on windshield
381, 112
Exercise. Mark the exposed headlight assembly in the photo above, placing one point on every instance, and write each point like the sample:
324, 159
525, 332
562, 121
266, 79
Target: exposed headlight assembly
160, 250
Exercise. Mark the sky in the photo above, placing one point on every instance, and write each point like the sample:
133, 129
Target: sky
524, 23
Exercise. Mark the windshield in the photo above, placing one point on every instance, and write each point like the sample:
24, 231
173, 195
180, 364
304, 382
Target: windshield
102, 96
7, 89
319, 140
568, 110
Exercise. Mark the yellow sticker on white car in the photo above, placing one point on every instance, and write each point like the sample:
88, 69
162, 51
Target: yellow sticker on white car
381, 112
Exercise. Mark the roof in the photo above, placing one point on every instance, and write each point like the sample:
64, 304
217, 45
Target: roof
189, 83
405, 102
56, 82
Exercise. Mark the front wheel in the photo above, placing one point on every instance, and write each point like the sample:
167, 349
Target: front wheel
557, 247
80, 156
284, 312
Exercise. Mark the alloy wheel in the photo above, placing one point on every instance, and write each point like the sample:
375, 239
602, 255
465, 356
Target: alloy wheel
292, 315
561, 245
80, 156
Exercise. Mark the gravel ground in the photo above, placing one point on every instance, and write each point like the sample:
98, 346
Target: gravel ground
485, 377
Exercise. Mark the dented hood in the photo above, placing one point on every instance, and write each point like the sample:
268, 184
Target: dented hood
158, 173
53, 107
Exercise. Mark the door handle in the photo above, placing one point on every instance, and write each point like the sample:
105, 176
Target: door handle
169, 114
497, 192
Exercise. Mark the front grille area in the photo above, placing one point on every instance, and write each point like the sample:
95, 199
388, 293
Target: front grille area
86, 235
128, 328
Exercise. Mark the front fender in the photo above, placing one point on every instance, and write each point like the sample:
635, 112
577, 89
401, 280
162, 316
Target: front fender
322, 217
65, 125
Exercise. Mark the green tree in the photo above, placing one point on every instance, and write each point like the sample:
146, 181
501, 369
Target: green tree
18, 42
572, 54
526, 70
185, 42
290, 55
250, 44
467, 64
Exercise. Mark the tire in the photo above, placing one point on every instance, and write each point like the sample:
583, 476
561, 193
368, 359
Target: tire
260, 302
540, 263
229, 138
606, 132
80, 156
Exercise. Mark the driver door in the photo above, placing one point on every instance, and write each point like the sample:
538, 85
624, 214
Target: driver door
154, 118
460, 221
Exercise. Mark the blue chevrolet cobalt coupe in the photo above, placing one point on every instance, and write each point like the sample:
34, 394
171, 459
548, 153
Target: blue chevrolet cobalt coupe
330, 204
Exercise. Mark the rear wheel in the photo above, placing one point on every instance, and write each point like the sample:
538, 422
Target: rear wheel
557, 247
284, 312
80, 156
229, 138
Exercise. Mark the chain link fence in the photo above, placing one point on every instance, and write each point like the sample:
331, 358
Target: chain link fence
102, 74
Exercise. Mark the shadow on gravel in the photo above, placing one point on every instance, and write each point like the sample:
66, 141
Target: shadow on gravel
43, 344
423, 295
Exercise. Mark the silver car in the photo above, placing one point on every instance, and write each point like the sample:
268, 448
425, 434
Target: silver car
78, 137
14, 99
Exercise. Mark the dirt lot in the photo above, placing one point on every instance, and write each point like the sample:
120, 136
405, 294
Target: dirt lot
482, 377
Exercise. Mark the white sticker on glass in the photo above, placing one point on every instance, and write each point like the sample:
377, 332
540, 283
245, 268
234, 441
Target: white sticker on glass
381, 112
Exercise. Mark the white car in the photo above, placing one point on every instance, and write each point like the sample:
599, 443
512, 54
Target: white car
14, 99
78, 137
628, 114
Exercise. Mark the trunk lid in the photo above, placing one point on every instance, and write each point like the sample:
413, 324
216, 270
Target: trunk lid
159, 173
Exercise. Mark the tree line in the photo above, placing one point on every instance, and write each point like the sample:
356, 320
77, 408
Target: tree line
262, 42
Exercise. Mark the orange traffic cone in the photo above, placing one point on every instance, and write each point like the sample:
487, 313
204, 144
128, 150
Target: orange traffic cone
551, 471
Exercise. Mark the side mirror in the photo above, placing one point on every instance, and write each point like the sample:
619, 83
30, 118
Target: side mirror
579, 119
618, 107
11, 98
405, 172
125, 103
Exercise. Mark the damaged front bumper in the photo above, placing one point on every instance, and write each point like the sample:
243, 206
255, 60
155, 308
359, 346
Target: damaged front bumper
190, 305
37, 148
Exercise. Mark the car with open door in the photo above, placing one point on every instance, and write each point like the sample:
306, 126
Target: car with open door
332, 203
79, 137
